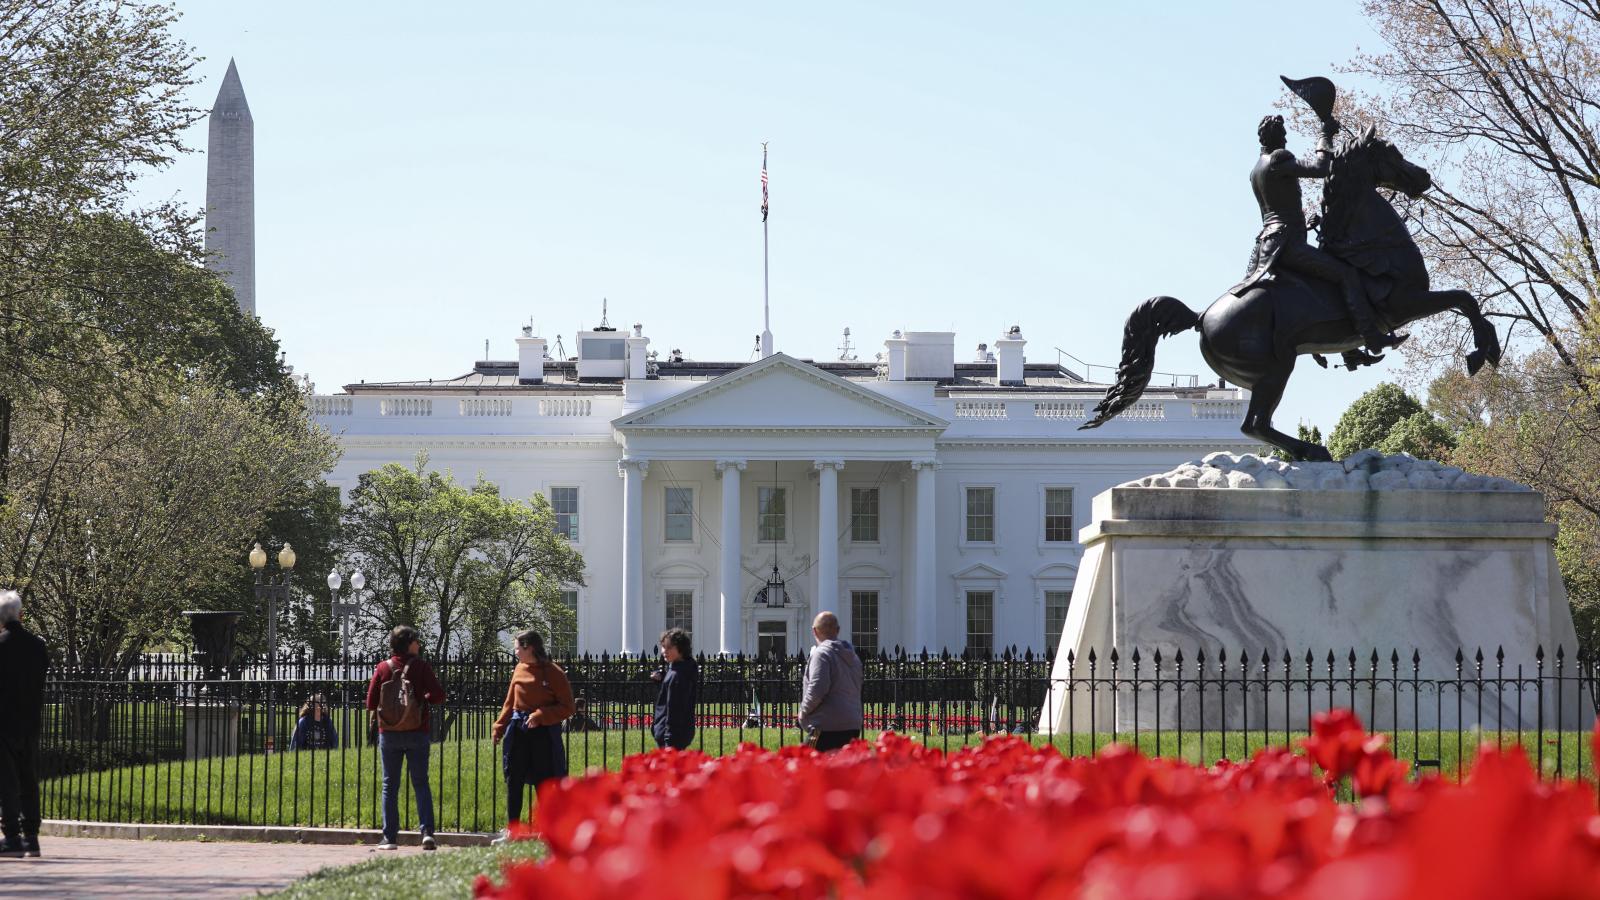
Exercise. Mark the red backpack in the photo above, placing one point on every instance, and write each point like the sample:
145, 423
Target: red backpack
399, 707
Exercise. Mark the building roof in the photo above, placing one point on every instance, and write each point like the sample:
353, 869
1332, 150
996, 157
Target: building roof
561, 376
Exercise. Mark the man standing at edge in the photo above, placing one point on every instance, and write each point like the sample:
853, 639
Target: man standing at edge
831, 702
23, 663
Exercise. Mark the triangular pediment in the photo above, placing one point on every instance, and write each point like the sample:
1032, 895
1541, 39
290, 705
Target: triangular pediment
780, 392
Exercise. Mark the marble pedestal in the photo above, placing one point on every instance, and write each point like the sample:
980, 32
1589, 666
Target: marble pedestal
210, 728
1239, 558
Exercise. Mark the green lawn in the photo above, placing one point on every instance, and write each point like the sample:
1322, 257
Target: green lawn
342, 788
445, 875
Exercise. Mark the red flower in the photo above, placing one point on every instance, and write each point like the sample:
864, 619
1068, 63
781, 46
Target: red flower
1008, 820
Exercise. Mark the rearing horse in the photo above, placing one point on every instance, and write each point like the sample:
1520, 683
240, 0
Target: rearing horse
1253, 340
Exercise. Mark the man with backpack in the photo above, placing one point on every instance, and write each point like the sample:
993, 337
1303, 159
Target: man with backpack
402, 687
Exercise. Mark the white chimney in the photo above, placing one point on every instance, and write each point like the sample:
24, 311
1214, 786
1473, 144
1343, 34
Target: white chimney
638, 346
895, 350
930, 355
1008, 350
530, 358
983, 354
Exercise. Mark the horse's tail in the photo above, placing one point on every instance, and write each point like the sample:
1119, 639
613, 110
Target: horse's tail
1153, 320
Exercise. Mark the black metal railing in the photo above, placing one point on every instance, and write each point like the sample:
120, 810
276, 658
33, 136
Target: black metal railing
158, 742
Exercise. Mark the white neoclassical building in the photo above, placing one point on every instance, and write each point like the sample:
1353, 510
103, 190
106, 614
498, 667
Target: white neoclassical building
931, 503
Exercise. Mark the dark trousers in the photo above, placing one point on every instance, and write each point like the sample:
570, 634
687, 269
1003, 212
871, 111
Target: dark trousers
1309, 260
528, 757
678, 742
833, 740
410, 748
19, 786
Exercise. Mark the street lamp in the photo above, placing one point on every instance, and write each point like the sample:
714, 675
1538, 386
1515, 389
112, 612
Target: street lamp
346, 611
272, 590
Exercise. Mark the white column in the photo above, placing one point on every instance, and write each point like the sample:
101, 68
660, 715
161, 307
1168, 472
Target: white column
828, 541
925, 632
633, 472
732, 579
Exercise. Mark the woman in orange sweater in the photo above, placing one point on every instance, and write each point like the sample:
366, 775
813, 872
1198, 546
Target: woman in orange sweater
538, 700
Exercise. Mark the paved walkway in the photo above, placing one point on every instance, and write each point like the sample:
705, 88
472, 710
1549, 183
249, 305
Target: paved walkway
99, 867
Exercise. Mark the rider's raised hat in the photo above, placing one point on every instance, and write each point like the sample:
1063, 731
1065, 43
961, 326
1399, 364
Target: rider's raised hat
1316, 91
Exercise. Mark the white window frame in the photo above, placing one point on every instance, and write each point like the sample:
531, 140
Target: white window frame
789, 496
982, 576
966, 616
965, 487
694, 514
694, 602
850, 598
550, 494
850, 511
1052, 639
577, 617
1044, 490
679, 574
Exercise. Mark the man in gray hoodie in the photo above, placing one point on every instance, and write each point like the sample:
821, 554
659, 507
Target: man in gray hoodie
831, 702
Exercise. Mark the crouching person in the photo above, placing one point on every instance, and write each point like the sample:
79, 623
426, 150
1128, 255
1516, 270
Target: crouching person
537, 702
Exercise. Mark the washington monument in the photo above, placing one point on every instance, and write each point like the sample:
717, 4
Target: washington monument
231, 191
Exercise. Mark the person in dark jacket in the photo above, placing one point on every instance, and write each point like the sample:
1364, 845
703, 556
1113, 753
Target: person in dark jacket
411, 746
23, 663
314, 730
680, 683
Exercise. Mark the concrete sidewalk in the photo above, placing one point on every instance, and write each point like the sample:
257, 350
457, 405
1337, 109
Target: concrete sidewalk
98, 867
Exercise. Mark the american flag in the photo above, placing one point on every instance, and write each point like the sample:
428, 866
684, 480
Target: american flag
763, 182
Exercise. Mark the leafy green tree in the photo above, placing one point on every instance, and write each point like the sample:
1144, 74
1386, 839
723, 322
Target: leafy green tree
1305, 433
1421, 435
1369, 419
92, 92
463, 564
119, 522
1498, 99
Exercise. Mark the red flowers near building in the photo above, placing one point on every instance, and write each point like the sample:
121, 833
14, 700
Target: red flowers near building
1008, 820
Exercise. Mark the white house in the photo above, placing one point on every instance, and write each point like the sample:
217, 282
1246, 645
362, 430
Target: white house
931, 503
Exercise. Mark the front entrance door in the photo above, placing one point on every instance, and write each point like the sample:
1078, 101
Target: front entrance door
772, 639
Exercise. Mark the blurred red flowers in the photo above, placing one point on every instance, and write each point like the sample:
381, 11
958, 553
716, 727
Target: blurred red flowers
1008, 820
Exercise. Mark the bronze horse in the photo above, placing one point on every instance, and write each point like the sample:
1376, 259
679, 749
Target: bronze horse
1253, 340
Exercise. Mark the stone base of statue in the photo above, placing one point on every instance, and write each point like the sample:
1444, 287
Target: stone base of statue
1257, 593
210, 728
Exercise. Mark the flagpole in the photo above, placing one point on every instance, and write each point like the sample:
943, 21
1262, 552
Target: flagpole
766, 265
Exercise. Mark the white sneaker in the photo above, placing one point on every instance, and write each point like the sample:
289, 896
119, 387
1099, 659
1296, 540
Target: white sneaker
428, 843
501, 839
388, 845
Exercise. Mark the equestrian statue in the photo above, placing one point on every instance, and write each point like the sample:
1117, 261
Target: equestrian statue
1364, 279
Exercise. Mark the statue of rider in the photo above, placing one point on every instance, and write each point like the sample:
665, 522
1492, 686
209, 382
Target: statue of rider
1275, 179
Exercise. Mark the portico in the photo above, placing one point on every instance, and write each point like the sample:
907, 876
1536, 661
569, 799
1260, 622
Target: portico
786, 442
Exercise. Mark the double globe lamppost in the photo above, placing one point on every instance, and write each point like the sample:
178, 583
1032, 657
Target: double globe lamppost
272, 590
346, 611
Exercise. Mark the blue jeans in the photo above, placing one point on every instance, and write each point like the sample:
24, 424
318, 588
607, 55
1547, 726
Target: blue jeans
411, 747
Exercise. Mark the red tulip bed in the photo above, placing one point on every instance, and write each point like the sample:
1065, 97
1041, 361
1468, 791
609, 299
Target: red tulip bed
1008, 820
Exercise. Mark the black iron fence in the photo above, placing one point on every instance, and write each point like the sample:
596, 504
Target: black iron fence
160, 743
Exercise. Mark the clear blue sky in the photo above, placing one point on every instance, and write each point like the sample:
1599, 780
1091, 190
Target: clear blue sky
428, 176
